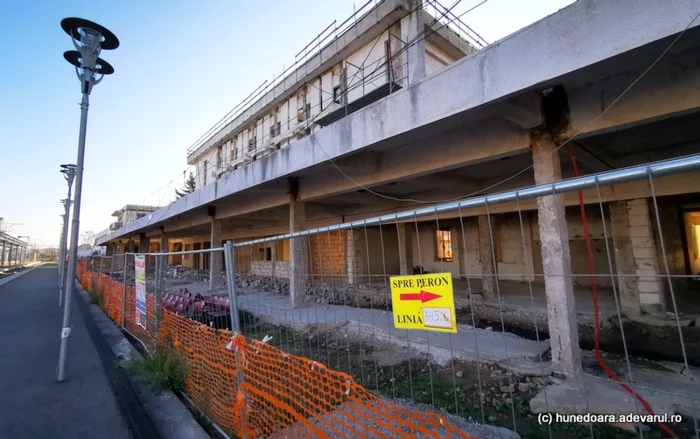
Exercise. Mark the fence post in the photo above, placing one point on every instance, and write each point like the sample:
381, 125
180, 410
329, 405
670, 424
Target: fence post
99, 274
159, 285
231, 285
229, 264
126, 260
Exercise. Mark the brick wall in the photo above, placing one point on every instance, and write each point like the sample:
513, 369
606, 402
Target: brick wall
328, 253
270, 269
282, 269
261, 268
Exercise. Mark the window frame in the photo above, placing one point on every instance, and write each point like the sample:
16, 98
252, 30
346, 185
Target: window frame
443, 236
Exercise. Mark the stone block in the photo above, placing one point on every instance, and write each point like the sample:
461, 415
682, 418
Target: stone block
649, 298
642, 242
644, 253
639, 220
649, 287
645, 264
640, 232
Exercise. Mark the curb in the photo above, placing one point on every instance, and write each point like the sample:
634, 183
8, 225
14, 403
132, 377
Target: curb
166, 411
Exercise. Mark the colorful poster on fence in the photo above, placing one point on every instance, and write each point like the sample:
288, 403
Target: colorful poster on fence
140, 274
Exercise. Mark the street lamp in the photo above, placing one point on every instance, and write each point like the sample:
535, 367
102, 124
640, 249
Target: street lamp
89, 40
69, 172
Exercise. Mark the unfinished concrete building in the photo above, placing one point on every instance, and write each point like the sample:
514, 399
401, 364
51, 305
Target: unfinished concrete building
383, 119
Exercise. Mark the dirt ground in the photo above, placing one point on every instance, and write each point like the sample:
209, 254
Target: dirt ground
477, 392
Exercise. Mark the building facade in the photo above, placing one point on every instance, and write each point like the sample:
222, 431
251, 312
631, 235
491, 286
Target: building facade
435, 121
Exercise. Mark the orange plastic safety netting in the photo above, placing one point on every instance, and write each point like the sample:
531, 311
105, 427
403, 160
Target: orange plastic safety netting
252, 388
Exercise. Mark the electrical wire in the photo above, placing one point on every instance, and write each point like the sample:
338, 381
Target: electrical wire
594, 293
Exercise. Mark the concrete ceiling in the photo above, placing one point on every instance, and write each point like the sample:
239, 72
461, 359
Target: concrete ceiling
655, 141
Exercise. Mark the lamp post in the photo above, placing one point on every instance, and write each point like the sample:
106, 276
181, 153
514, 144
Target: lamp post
69, 172
89, 40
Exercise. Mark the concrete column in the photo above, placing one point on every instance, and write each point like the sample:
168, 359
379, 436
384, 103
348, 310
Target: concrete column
9, 257
216, 261
353, 256
275, 257
405, 233
412, 33
636, 254
458, 249
298, 254
488, 271
109, 249
624, 259
2, 255
144, 243
556, 259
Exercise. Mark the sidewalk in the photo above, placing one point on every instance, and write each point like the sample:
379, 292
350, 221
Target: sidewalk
33, 403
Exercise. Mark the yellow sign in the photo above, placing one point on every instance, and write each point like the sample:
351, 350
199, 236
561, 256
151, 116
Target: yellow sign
424, 301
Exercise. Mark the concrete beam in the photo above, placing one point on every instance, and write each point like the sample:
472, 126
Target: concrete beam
454, 149
264, 215
365, 161
313, 209
523, 110
360, 199
591, 161
456, 183
669, 89
246, 205
252, 222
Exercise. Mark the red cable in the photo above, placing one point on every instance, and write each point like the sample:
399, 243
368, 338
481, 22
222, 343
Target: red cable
594, 291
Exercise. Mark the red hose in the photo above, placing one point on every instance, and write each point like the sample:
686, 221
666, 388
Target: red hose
594, 291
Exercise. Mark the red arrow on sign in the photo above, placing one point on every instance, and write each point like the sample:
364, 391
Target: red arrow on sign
423, 296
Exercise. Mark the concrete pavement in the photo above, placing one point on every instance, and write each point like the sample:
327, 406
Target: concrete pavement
472, 343
33, 404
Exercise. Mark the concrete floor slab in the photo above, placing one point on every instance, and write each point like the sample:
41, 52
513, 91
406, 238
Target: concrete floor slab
596, 395
666, 392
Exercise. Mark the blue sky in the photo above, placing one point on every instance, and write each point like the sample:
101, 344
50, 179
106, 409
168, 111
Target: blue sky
181, 66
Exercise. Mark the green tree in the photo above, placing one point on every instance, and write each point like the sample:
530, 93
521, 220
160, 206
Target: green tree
190, 186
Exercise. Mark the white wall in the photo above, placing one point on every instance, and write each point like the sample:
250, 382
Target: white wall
210, 158
373, 57
435, 58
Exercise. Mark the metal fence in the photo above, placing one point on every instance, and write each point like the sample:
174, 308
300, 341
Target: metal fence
574, 297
